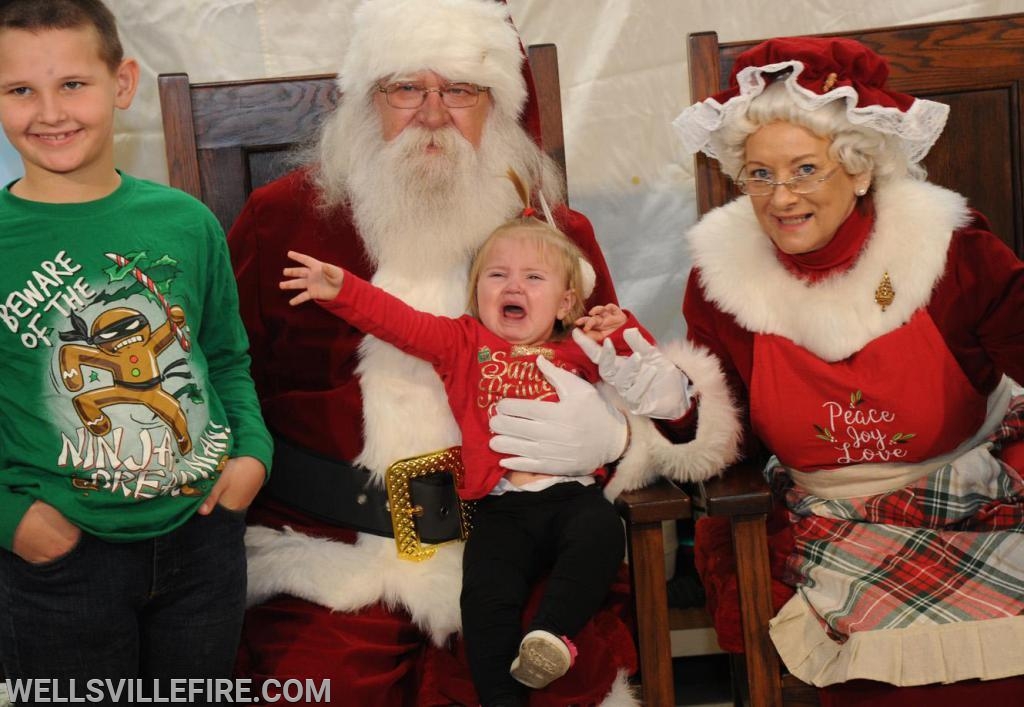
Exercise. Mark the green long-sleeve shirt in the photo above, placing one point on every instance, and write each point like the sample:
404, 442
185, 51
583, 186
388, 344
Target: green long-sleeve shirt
124, 371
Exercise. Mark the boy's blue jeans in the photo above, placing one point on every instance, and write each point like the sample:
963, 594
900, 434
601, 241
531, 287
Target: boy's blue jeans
168, 607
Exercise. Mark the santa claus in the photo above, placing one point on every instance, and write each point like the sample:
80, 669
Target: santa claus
401, 190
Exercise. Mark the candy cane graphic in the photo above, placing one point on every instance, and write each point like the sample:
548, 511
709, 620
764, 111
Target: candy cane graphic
151, 286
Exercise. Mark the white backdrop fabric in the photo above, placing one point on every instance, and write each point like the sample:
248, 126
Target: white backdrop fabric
623, 76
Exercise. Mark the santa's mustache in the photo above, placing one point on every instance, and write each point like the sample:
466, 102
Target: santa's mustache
415, 138
449, 149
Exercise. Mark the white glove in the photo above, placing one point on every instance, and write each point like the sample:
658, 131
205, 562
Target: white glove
648, 382
572, 437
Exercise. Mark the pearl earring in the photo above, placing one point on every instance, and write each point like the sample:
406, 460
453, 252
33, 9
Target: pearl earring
861, 191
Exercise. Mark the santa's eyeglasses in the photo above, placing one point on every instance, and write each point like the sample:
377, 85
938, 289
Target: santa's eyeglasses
410, 94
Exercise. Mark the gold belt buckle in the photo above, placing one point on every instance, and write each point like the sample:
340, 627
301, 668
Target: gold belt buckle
397, 480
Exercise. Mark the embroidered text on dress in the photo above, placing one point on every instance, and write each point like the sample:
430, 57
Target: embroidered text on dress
517, 378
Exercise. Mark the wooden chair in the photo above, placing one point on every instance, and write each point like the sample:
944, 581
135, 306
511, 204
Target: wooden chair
977, 67
225, 139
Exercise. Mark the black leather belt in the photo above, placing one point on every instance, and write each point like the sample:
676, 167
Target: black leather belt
345, 494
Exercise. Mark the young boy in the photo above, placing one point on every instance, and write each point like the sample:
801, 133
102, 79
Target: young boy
526, 292
131, 440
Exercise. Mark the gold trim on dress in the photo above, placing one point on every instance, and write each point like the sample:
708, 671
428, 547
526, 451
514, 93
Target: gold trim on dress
525, 350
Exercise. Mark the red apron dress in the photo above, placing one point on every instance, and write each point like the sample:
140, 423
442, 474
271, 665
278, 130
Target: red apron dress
889, 559
901, 399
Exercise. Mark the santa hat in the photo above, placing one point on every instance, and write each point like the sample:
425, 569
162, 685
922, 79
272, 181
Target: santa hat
462, 40
816, 71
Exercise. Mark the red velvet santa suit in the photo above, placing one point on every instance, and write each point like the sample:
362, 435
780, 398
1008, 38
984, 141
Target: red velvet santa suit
959, 298
346, 626
344, 605
357, 613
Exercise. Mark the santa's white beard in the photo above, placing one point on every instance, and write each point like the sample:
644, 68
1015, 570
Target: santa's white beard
422, 215
427, 212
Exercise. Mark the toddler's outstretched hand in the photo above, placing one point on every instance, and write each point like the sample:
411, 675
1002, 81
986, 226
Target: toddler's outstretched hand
316, 279
601, 321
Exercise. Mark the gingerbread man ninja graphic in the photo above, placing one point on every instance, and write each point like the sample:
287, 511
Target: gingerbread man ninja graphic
122, 343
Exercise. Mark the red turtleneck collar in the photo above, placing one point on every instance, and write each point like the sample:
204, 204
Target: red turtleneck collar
840, 253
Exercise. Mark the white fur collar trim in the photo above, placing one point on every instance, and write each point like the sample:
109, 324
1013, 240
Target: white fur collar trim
835, 317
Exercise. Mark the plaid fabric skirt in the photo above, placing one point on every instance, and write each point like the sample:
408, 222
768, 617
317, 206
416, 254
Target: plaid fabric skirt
921, 584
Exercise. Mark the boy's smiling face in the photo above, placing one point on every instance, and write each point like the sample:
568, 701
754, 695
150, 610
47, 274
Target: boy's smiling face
57, 101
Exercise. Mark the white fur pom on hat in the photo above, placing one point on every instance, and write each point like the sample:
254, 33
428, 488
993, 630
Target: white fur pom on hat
462, 40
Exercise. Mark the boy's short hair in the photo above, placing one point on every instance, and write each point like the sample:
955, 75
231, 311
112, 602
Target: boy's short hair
36, 15
564, 252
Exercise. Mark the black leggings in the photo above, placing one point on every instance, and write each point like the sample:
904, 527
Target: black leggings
569, 531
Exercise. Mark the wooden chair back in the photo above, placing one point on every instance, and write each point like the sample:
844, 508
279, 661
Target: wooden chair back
225, 139
975, 66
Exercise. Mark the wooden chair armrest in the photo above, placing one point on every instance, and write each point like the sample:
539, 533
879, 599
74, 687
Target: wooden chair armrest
660, 501
740, 490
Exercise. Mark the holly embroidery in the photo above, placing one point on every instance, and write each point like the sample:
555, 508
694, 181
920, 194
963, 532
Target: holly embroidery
824, 433
856, 431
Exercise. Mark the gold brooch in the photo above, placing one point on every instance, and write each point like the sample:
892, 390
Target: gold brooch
884, 294
830, 81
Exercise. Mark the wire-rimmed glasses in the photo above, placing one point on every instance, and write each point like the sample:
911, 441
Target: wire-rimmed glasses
412, 94
800, 184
